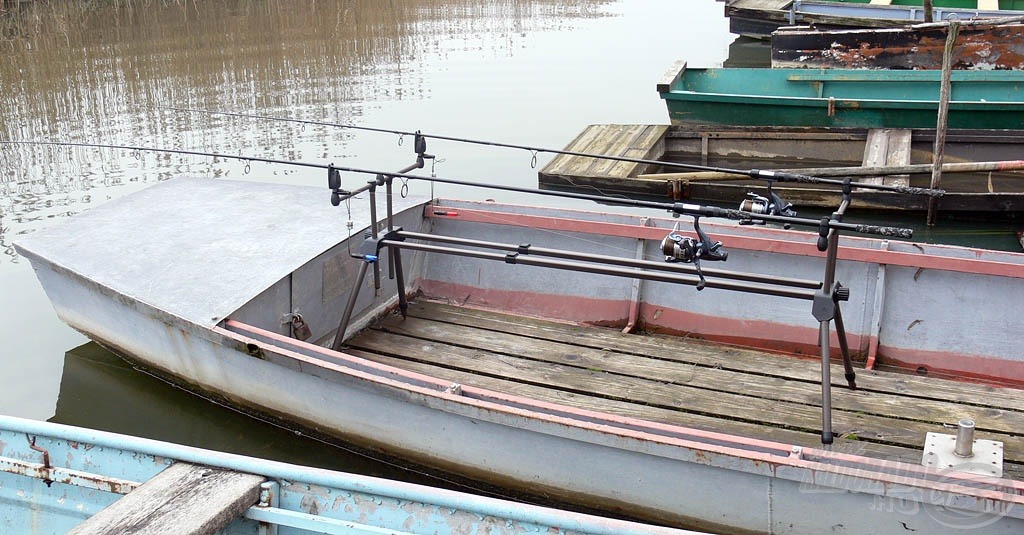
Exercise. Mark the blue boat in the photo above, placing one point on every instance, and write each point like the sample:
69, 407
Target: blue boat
59, 479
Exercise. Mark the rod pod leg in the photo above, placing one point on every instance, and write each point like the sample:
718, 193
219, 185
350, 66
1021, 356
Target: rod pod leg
403, 301
851, 376
350, 305
826, 384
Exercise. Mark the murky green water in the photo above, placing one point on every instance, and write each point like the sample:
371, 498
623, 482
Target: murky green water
532, 72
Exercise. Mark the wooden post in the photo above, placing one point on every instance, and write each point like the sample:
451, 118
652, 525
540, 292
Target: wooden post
940, 127
927, 7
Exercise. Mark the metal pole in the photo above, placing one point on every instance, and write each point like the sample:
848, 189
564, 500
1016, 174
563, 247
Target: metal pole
526, 260
373, 233
851, 376
350, 305
403, 301
628, 262
826, 384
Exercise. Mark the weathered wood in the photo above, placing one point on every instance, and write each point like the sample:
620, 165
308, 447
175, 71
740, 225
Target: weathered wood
887, 148
685, 382
979, 45
729, 358
723, 383
634, 410
635, 141
913, 169
941, 123
183, 499
671, 76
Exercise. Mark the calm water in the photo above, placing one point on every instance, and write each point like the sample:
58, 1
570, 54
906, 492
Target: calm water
531, 72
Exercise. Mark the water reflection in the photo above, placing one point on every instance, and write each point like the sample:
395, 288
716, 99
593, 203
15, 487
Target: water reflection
98, 390
84, 72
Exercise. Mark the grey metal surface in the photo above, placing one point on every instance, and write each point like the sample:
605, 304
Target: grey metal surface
985, 459
218, 243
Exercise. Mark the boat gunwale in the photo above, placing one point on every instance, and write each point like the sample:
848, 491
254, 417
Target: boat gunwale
357, 483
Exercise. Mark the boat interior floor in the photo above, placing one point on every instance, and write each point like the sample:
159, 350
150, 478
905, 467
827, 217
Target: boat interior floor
691, 382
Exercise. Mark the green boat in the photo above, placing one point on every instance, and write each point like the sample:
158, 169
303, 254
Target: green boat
841, 97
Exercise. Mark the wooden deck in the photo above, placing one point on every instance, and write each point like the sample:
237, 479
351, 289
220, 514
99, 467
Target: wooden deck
690, 382
638, 141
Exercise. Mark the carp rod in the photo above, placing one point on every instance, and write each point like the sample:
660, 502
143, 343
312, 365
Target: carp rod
759, 174
339, 194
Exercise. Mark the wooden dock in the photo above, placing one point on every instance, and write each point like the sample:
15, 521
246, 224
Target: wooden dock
690, 382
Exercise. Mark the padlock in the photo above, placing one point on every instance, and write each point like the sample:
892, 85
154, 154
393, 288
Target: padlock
300, 330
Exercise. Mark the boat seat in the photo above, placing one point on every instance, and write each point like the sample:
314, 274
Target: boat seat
881, 2
989, 5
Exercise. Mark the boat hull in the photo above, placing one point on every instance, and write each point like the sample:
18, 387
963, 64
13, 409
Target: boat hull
977, 47
92, 470
842, 98
759, 19
992, 191
657, 472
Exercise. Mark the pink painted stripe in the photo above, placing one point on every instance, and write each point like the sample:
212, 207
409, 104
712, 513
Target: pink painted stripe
774, 245
591, 420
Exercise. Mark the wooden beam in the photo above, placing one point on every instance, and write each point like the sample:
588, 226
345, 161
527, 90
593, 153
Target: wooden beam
887, 147
671, 76
183, 499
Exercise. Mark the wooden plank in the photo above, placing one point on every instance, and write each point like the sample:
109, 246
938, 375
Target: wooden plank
731, 358
882, 2
559, 164
887, 147
689, 388
617, 139
606, 135
634, 141
706, 378
183, 499
646, 144
648, 412
671, 76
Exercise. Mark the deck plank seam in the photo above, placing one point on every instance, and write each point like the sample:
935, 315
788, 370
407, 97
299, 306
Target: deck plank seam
864, 387
986, 393
852, 413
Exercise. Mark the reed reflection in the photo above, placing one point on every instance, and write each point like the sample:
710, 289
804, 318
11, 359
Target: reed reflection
99, 72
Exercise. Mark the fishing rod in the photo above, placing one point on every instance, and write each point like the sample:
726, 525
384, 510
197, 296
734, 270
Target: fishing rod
339, 194
760, 174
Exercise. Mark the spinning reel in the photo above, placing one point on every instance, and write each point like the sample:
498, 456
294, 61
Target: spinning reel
771, 204
689, 250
